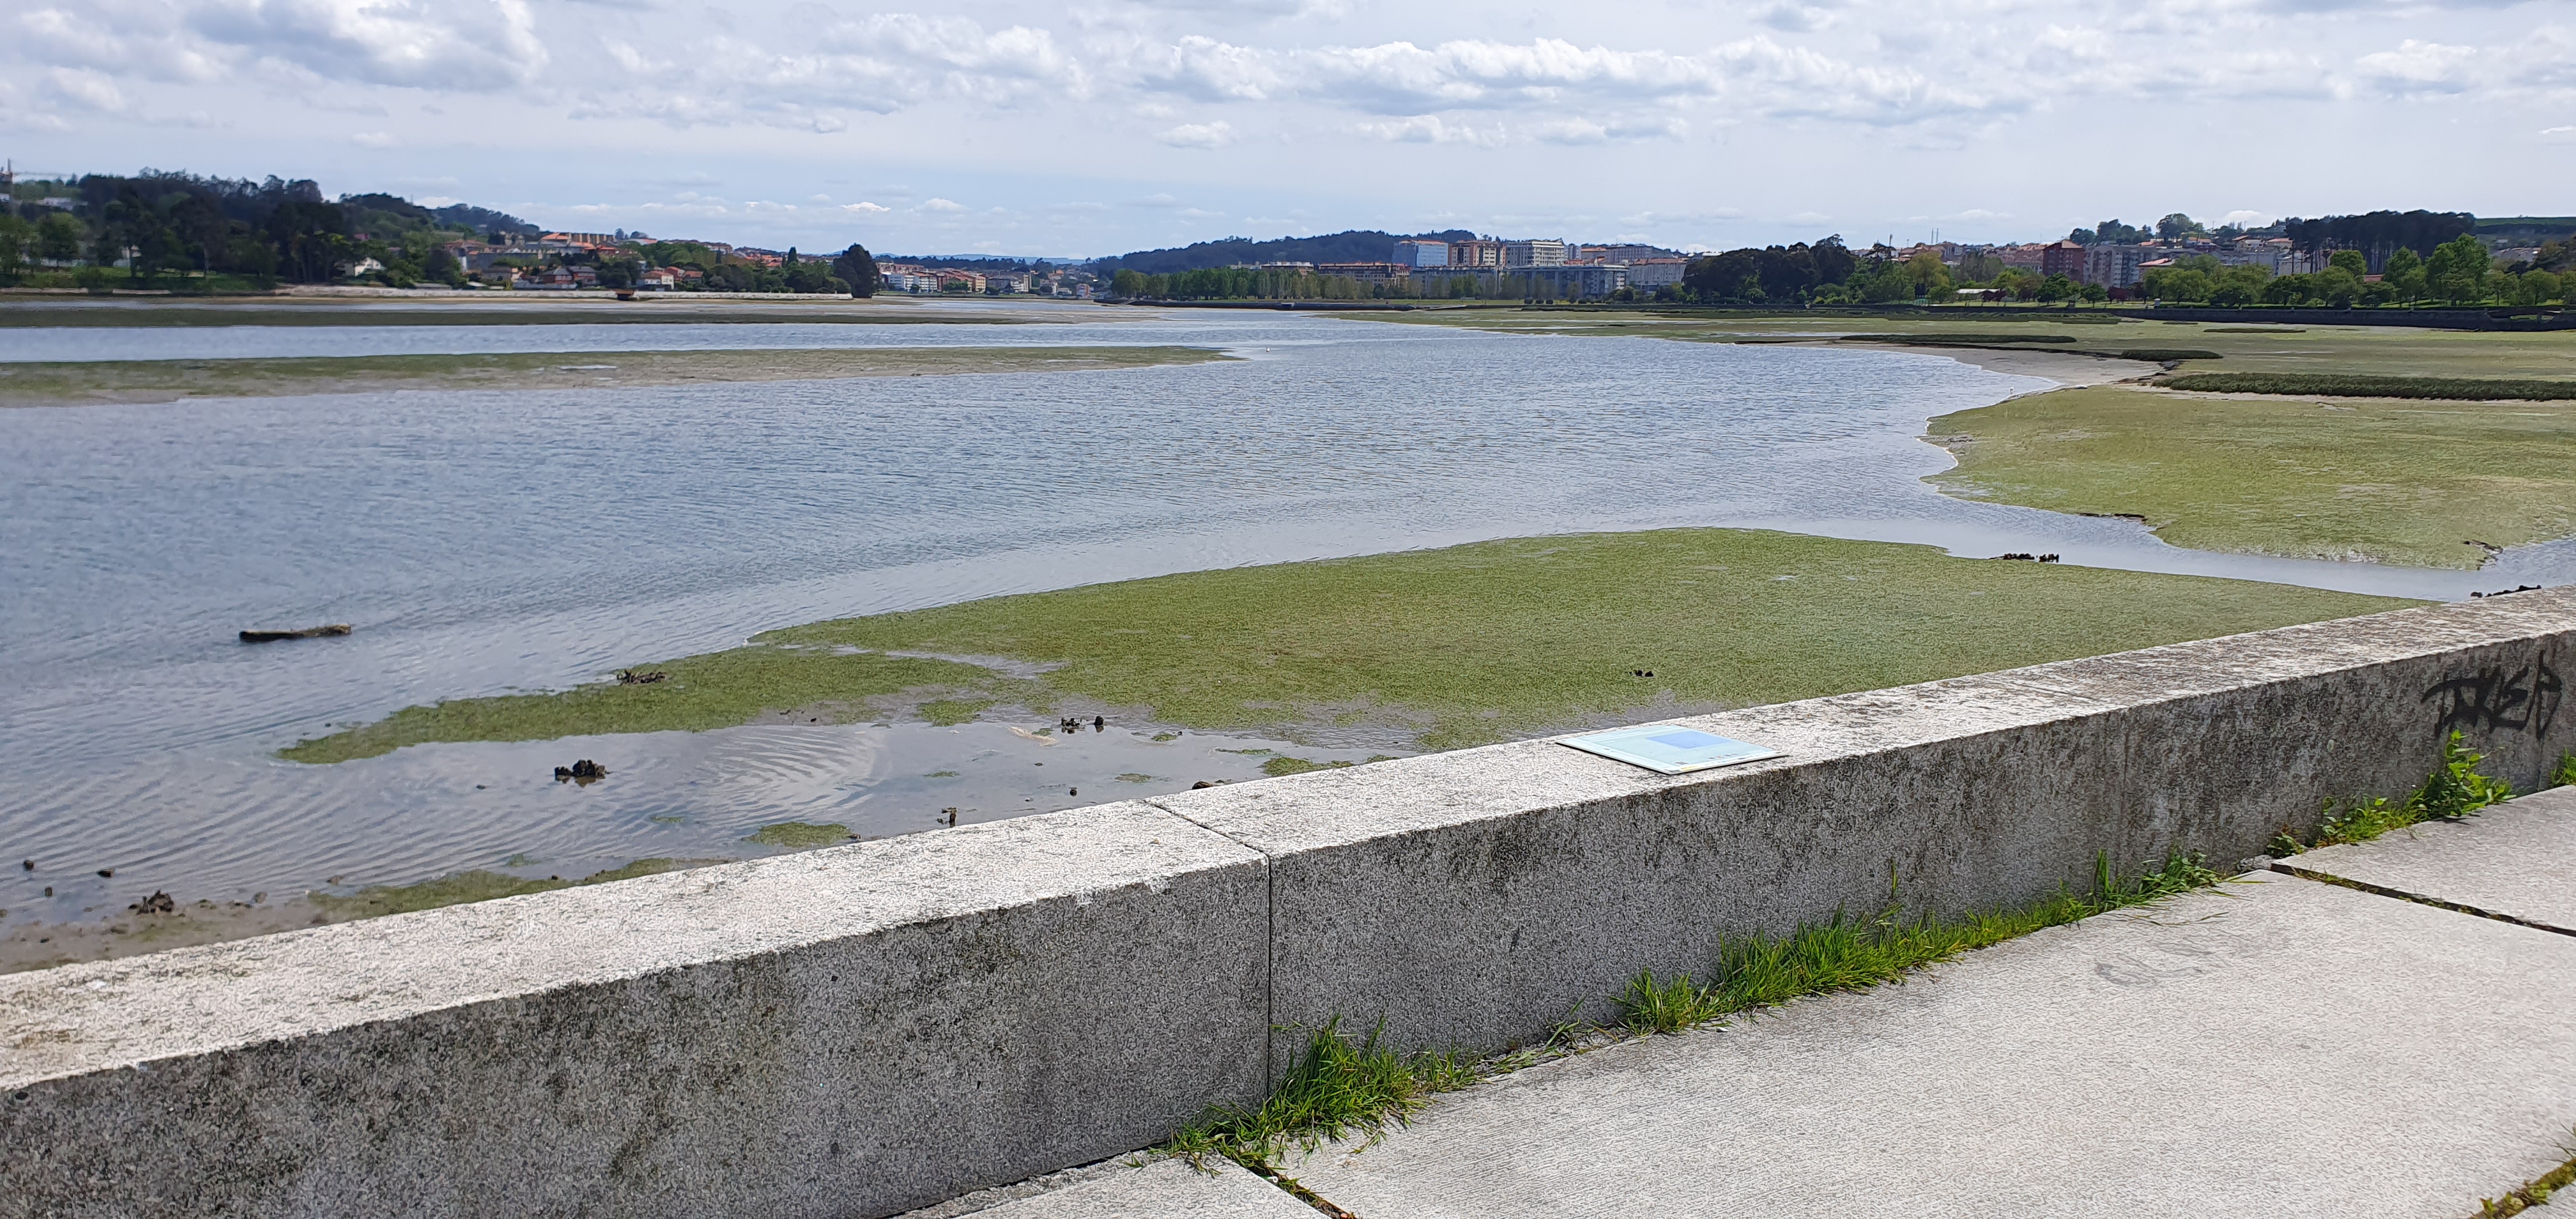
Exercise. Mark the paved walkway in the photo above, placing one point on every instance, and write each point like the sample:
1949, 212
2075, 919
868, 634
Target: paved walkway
2287, 1045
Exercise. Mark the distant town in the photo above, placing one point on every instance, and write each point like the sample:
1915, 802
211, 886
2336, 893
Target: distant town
175, 232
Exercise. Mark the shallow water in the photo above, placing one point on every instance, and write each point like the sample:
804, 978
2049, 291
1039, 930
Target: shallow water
493, 540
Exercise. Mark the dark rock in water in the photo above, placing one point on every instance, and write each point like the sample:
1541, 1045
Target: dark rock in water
158, 903
640, 677
1073, 791
104, 873
1209, 783
1099, 724
310, 632
2507, 592
584, 772
29, 865
2029, 558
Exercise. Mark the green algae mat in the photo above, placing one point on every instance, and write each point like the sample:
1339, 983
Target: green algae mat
1432, 649
2426, 483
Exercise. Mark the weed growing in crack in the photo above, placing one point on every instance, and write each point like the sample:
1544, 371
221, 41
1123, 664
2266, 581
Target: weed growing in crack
1344, 1084
2531, 1193
2454, 790
1844, 954
1341, 1084
2566, 772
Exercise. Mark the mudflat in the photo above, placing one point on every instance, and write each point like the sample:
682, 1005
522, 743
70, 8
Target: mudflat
68, 383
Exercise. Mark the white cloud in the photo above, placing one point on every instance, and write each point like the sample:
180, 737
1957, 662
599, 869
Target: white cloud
373, 139
87, 89
936, 204
2421, 67
445, 44
864, 206
1199, 135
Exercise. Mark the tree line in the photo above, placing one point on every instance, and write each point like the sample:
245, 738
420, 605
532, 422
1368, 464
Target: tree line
183, 232
2459, 271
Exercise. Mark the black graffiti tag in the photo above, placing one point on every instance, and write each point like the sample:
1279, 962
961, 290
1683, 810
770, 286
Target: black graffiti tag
2493, 698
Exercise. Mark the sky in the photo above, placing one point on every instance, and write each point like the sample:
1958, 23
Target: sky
1088, 128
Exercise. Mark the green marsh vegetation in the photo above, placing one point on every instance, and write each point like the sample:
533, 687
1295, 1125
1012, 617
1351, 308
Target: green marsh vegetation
2411, 482
73, 382
716, 690
1426, 649
1345, 1084
2465, 389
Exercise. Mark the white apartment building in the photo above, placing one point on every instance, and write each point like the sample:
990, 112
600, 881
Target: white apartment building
1542, 252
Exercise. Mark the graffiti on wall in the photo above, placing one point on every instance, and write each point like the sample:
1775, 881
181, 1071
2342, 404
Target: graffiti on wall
2497, 698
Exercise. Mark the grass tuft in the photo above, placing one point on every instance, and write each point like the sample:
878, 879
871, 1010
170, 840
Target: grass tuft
1343, 1085
2566, 771
1340, 1085
2454, 790
1841, 954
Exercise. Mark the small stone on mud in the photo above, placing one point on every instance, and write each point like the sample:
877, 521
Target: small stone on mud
158, 903
1209, 783
106, 872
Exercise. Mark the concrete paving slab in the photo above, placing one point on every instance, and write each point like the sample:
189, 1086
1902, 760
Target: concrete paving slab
2279, 1047
1164, 1189
2516, 860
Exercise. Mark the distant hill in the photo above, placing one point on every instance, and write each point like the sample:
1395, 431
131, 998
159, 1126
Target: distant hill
1357, 245
2534, 228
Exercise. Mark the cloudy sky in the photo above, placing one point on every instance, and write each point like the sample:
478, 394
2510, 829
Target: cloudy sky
1097, 126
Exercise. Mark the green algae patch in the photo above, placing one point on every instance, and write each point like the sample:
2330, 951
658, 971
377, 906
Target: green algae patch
1285, 765
950, 712
2422, 483
1492, 640
715, 690
801, 835
474, 886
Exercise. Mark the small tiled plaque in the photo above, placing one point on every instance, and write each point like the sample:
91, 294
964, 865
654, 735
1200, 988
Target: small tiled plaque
1670, 749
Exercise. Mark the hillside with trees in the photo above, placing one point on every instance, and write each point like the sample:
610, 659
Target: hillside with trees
179, 231
1354, 245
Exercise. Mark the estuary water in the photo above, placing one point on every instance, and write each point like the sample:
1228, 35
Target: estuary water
488, 541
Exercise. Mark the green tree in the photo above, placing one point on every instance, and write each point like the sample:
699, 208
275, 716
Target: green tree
1931, 277
2353, 262
2457, 271
2286, 290
16, 236
1127, 283
2338, 285
441, 266
59, 237
2056, 288
858, 268
2404, 272
2176, 226
2182, 285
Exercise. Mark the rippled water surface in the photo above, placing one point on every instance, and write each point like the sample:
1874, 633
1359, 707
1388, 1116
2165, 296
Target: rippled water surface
487, 541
